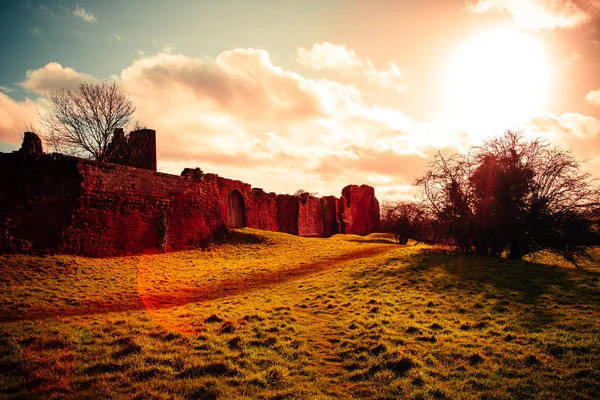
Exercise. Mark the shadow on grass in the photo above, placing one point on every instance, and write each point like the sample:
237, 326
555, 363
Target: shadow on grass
242, 237
375, 240
540, 289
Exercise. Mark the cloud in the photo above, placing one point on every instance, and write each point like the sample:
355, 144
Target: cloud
243, 117
328, 56
593, 97
389, 78
168, 49
372, 160
391, 172
564, 128
84, 15
576, 132
14, 116
115, 37
541, 14
581, 126
6, 90
240, 160
54, 76
242, 83
335, 57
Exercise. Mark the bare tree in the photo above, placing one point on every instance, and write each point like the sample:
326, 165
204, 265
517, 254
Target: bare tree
82, 121
405, 220
515, 197
446, 196
302, 192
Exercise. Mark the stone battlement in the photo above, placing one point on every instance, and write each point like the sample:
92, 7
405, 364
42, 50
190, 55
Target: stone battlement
53, 203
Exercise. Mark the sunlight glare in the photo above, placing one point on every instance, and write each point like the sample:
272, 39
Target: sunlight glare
496, 80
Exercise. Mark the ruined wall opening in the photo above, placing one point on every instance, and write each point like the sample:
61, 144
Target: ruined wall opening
236, 210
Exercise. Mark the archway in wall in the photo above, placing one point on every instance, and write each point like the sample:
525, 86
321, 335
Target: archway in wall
236, 210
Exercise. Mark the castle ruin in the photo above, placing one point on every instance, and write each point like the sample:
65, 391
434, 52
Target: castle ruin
53, 203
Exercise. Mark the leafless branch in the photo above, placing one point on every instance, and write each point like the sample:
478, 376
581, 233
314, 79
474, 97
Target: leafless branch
82, 121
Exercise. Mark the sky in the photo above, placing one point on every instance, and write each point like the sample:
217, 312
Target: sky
315, 95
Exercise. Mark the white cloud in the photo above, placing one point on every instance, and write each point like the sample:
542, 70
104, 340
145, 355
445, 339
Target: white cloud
168, 49
84, 15
563, 128
242, 83
593, 97
14, 116
581, 126
165, 48
540, 14
335, 57
115, 37
54, 76
328, 56
389, 78
576, 132
6, 90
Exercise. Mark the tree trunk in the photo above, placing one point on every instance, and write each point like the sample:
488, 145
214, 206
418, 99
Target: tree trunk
515, 252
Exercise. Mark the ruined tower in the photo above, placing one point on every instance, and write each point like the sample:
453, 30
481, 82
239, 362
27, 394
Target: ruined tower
137, 150
142, 147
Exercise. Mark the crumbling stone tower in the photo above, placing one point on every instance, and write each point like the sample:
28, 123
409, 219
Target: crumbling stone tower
31, 144
138, 150
142, 145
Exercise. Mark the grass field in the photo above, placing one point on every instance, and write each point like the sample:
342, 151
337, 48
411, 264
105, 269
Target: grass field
276, 316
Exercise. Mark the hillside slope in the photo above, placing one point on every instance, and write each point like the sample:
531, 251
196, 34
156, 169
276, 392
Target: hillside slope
270, 315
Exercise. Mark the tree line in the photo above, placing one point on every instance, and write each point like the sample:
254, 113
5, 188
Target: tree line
508, 197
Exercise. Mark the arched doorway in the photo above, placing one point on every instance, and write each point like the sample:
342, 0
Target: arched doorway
236, 210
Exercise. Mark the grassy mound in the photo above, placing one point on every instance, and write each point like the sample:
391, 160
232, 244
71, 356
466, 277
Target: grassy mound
270, 315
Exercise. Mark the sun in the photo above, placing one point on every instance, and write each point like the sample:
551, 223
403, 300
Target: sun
496, 80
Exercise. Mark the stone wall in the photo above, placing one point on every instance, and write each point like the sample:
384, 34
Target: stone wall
61, 204
311, 216
263, 211
287, 213
360, 209
38, 195
126, 210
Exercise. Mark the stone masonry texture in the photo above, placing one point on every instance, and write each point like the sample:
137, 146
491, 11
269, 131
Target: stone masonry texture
52, 203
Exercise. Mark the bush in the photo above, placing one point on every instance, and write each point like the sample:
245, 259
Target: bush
405, 220
512, 196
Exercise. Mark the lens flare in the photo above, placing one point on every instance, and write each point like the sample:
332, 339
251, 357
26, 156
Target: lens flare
496, 80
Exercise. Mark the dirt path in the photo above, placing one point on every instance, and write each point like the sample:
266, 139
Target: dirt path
204, 293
